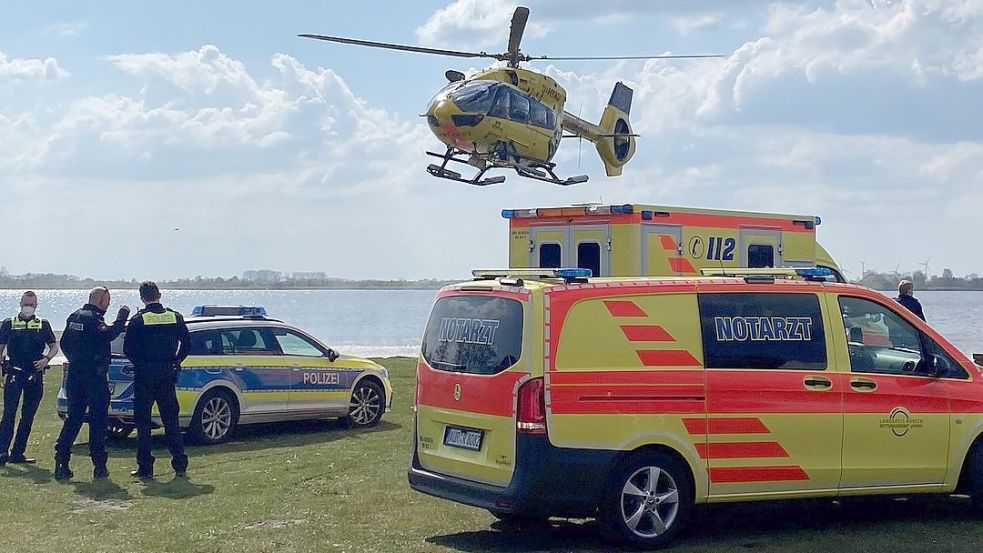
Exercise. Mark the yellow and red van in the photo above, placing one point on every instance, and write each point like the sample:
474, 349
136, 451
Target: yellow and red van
651, 240
545, 393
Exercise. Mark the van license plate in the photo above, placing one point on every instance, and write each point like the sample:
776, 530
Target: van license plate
463, 438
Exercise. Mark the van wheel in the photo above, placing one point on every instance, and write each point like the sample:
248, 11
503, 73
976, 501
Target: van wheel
649, 501
974, 473
368, 403
215, 419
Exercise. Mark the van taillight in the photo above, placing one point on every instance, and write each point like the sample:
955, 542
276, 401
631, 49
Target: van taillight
531, 416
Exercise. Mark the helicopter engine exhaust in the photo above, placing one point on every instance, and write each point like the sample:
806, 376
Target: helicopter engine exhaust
616, 146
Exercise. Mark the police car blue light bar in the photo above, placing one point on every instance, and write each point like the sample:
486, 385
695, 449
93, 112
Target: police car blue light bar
229, 311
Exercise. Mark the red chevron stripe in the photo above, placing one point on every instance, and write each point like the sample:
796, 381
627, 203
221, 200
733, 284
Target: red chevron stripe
680, 265
624, 309
757, 474
646, 333
668, 242
741, 450
726, 426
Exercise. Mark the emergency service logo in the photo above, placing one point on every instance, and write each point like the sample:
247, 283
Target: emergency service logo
900, 422
696, 248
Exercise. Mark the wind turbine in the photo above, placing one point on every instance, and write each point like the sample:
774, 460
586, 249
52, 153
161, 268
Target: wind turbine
925, 265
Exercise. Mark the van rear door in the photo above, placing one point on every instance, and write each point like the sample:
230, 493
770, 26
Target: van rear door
469, 368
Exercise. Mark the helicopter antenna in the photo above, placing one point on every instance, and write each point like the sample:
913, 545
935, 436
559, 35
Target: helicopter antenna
519, 19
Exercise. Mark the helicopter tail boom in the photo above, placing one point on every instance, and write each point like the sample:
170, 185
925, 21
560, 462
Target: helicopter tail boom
613, 136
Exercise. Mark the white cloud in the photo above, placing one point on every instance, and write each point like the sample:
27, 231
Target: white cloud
30, 69
67, 29
474, 24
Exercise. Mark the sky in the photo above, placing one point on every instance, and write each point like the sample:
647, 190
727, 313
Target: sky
165, 140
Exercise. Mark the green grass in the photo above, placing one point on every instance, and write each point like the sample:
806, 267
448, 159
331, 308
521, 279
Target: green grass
318, 487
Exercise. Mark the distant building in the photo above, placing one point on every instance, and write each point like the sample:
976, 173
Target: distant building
263, 275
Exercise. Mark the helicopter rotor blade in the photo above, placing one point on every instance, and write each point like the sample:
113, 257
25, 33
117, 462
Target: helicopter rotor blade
589, 58
403, 47
519, 19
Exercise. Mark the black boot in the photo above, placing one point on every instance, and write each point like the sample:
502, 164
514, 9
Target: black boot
21, 460
62, 472
142, 474
100, 472
4, 459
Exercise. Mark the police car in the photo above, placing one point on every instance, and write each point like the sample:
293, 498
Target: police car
247, 368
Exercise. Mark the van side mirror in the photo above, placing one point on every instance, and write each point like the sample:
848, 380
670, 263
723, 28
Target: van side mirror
332, 355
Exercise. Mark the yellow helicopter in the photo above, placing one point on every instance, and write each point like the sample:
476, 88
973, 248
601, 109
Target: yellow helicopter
509, 117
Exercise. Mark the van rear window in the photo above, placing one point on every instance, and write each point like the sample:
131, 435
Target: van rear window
473, 334
763, 331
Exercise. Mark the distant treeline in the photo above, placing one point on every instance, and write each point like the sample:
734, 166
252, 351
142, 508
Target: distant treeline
889, 281
48, 281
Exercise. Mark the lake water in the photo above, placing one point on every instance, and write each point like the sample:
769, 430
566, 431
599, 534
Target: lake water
382, 323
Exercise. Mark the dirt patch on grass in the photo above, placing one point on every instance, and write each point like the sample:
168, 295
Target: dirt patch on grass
268, 524
101, 506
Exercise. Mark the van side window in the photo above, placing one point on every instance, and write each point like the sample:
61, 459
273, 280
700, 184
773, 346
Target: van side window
880, 341
763, 331
549, 256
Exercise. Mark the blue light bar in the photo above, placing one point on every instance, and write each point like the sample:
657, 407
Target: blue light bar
508, 213
626, 209
819, 220
573, 273
228, 311
817, 273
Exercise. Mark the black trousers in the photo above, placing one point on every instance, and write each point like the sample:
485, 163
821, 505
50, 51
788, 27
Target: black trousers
156, 385
87, 388
17, 383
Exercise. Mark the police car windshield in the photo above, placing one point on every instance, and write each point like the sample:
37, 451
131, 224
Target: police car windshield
473, 334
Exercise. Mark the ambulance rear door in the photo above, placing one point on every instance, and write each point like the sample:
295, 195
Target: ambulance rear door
550, 247
761, 247
590, 248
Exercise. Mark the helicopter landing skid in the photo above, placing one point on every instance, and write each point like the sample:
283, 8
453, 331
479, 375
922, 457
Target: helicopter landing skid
443, 172
545, 173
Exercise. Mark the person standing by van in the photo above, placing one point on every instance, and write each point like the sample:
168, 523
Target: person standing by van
906, 290
24, 338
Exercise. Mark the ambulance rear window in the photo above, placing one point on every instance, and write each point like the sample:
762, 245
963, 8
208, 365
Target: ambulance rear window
473, 334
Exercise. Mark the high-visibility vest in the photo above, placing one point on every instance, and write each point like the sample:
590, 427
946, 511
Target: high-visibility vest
16, 323
165, 318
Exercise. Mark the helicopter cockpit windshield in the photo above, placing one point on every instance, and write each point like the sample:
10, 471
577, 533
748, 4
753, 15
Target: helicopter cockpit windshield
475, 96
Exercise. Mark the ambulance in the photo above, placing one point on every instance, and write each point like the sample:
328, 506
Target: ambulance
646, 240
545, 392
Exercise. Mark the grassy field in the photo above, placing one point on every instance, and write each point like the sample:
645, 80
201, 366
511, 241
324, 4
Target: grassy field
318, 487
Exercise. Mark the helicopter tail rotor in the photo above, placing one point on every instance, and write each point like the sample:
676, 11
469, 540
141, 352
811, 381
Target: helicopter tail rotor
617, 147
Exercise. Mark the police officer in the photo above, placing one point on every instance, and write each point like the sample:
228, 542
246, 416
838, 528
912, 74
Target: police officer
24, 337
906, 290
86, 343
156, 342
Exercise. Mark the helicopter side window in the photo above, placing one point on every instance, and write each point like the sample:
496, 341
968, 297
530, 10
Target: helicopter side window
537, 114
500, 108
519, 110
550, 119
475, 97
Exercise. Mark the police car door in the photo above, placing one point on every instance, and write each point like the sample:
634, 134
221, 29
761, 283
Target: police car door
258, 369
317, 385
774, 401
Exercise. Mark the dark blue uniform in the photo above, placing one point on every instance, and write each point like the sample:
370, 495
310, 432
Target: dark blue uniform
911, 304
156, 342
25, 341
86, 343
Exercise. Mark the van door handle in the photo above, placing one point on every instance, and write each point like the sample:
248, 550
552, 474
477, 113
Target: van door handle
863, 384
238, 367
296, 368
817, 383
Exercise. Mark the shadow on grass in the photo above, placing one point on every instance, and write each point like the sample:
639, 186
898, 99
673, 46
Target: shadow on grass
177, 488
101, 490
253, 437
27, 472
739, 526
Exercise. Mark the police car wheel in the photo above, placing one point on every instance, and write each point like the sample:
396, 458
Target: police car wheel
368, 403
215, 419
974, 477
649, 501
